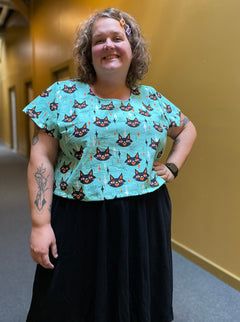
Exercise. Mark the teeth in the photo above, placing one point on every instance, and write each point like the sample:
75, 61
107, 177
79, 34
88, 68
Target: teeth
110, 57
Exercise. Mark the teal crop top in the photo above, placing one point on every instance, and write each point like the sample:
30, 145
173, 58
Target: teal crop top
106, 146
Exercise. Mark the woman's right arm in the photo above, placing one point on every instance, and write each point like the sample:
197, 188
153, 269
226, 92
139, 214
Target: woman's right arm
40, 189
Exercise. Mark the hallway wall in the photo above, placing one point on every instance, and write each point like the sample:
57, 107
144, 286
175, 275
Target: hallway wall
195, 51
15, 72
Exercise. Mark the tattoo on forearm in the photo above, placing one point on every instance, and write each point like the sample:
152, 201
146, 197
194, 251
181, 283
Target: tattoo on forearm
42, 179
175, 142
184, 121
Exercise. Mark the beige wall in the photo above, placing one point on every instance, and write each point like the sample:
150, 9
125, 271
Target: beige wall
195, 51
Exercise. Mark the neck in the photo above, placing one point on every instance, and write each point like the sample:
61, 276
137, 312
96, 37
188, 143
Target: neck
111, 89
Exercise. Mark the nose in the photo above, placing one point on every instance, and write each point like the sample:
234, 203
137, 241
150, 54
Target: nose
108, 44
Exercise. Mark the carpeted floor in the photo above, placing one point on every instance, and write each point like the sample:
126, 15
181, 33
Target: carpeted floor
198, 296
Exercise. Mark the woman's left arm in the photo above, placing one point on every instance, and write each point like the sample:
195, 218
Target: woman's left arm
183, 139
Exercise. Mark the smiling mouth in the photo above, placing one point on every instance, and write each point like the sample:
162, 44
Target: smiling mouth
110, 57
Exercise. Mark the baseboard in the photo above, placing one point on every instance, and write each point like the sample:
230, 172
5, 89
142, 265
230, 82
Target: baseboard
211, 267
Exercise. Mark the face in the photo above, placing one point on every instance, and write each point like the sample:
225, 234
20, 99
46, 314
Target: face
111, 50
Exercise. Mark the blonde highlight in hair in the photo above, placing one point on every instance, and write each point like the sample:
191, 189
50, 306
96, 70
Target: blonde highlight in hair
82, 50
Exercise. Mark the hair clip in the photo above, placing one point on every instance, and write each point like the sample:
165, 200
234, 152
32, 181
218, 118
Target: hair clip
122, 22
128, 30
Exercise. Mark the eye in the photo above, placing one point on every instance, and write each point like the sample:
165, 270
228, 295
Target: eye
98, 41
117, 38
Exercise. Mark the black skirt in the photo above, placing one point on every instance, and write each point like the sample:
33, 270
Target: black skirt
114, 263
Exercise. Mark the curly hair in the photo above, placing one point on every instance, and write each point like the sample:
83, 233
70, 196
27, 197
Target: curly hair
82, 51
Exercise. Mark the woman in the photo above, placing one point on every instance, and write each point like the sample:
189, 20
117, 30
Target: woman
101, 213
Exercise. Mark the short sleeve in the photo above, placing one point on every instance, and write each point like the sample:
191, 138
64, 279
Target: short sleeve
43, 110
171, 112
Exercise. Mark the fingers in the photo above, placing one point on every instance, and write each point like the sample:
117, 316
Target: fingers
43, 246
163, 172
45, 262
42, 259
54, 249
